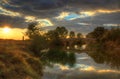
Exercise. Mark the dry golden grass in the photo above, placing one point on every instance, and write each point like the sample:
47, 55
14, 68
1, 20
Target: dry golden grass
16, 62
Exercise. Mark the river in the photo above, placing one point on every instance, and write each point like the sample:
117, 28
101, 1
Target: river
85, 67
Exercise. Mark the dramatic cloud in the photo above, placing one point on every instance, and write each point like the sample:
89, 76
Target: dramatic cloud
77, 15
12, 21
9, 13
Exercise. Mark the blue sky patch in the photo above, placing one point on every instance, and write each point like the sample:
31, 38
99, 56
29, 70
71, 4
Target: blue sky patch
72, 16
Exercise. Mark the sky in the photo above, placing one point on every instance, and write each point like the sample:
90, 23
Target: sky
77, 15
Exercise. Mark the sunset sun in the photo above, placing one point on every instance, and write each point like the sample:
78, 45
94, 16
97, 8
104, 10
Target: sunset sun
6, 30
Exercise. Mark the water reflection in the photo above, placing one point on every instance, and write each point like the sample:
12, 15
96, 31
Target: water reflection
85, 68
95, 63
58, 56
103, 56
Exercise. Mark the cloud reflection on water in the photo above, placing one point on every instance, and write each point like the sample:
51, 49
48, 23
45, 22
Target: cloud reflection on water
81, 70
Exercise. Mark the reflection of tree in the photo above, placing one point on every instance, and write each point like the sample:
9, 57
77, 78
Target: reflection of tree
101, 56
58, 56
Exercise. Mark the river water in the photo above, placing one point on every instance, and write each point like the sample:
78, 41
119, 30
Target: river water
85, 67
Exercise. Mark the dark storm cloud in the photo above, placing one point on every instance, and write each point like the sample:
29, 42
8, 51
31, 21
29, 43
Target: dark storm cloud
91, 22
42, 8
37, 4
12, 21
52, 8
89, 4
101, 19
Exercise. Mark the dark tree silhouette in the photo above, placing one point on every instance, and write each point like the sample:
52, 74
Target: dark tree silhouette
72, 34
98, 33
79, 35
38, 42
32, 30
62, 32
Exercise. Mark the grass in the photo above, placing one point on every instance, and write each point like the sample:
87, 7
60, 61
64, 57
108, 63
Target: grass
16, 62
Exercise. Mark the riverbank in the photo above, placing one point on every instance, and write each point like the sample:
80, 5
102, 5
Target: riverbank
17, 63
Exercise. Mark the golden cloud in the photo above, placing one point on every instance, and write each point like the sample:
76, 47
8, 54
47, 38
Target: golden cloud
41, 22
44, 22
62, 15
99, 11
30, 18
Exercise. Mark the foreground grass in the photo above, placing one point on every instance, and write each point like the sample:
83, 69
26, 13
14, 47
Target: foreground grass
17, 63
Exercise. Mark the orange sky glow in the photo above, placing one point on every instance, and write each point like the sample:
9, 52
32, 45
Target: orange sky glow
12, 33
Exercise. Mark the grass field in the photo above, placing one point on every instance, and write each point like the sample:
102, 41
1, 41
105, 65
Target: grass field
16, 62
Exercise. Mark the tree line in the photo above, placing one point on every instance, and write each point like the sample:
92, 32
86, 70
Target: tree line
59, 37
110, 38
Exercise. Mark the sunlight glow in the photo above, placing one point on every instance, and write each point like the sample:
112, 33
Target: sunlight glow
6, 30
12, 33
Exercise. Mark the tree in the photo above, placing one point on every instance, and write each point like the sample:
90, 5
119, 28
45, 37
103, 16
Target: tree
59, 32
98, 33
38, 42
72, 34
52, 34
79, 41
32, 30
62, 32
79, 35
56, 37
112, 35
